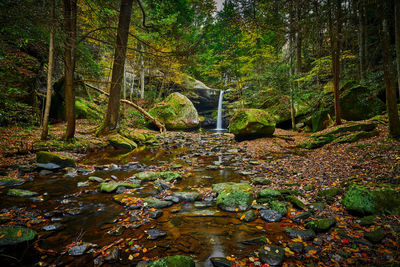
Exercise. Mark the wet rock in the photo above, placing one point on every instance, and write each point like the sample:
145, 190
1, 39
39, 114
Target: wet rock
45, 172
259, 206
301, 217
12, 235
47, 166
322, 225
21, 193
330, 194
96, 179
279, 207
367, 220
48, 157
296, 247
82, 184
270, 215
307, 249
375, 236
174, 261
155, 234
212, 167
260, 181
112, 255
297, 203
78, 250
116, 231
156, 203
8, 181
70, 172
272, 255
53, 227
318, 206
249, 216
261, 240
110, 187
121, 142
172, 198
156, 214
188, 196
303, 234
220, 262
203, 204
120, 190
268, 195
233, 196
359, 200
317, 241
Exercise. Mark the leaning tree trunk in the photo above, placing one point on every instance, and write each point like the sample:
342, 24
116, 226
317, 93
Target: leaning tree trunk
390, 87
70, 16
45, 125
111, 121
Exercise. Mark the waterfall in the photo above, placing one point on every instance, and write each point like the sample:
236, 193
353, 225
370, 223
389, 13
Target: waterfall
219, 118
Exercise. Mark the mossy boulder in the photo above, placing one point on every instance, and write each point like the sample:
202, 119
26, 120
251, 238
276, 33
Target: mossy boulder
322, 225
156, 203
251, 123
86, 110
152, 176
174, 261
319, 120
12, 235
111, 187
375, 236
249, 216
297, 203
359, 200
280, 207
234, 196
8, 181
387, 200
177, 112
272, 255
21, 193
141, 137
60, 160
121, 142
268, 195
330, 194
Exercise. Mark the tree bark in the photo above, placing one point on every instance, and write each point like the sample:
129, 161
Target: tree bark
362, 38
390, 86
142, 73
111, 121
45, 128
298, 36
70, 16
291, 69
397, 37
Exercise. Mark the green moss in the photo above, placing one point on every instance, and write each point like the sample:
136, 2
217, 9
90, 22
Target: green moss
251, 122
297, 203
321, 225
359, 200
330, 194
121, 142
21, 193
235, 196
375, 236
279, 207
110, 187
249, 216
174, 261
8, 181
12, 235
152, 176
86, 110
48, 157
387, 200
268, 195
354, 137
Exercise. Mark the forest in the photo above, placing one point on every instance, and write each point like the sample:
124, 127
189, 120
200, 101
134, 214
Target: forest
199, 133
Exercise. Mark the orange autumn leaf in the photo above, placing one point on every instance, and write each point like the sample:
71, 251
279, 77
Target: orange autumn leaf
19, 233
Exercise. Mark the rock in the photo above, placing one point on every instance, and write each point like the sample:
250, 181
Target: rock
156, 203
82, 184
249, 216
45, 172
12, 235
21, 193
174, 261
305, 235
87, 110
330, 194
260, 181
70, 172
78, 250
250, 123
111, 187
176, 112
375, 236
156, 214
8, 181
270, 215
233, 196
296, 247
112, 255
48, 166
116, 231
168, 176
317, 207
220, 262
96, 179
360, 200
366, 221
60, 160
322, 225
272, 255
155, 234
279, 207
297, 203
268, 195
203, 204
187, 196
121, 142
53, 227
261, 240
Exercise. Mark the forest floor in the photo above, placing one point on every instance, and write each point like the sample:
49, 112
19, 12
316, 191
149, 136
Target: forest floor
372, 162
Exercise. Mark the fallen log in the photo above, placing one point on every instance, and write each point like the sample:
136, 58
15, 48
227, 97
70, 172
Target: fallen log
160, 125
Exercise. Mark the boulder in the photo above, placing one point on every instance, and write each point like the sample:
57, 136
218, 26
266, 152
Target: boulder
234, 196
272, 255
12, 235
8, 181
111, 187
21, 193
360, 200
322, 225
86, 110
174, 261
251, 123
121, 142
303, 234
176, 112
267, 195
60, 160
280, 207
152, 176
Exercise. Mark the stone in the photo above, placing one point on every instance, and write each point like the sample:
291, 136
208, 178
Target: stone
156, 203
270, 215
261, 240
251, 123
279, 207
112, 255
187, 196
96, 179
234, 196
268, 195
78, 250
45, 172
375, 236
82, 184
297, 203
249, 216
155, 234
85, 109
260, 181
111, 187
156, 214
121, 142
305, 235
12, 235
317, 206
220, 262
322, 225
366, 221
21, 193
174, 261
359, 200
296, 247
177, 112
272, 255
8, 181
203, 204
53, 227
48, 166
330, 194
60, 160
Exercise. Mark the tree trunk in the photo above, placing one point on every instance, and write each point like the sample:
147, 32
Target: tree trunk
70, 16
390, 86
298, 36
397, 36
142, 74
362, 38
45, 125
111, 121
291, 71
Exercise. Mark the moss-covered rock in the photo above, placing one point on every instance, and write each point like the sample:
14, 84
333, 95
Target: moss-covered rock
272, 255
156, 203
121, 142
21, 193
280, 207
234, 196
387, 200
86, 110
8, 181
330, 194
174, 261
322, 225
12, 235
60, 160
268, 195
375, 236
250, 123
152, 176
111, 187
360, 200
176, 112
141, 138
297, 203
319, 120
249, 216
261, 181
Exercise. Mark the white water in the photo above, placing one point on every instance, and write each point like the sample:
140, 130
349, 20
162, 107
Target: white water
219, 118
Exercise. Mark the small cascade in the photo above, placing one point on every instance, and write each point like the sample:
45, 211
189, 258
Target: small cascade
219, 118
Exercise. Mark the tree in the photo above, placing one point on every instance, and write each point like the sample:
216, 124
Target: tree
397, 40
45, 128
362, 35
111, 121
390, 86
70, 17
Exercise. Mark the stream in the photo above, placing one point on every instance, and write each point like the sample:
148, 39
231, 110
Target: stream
198, 229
